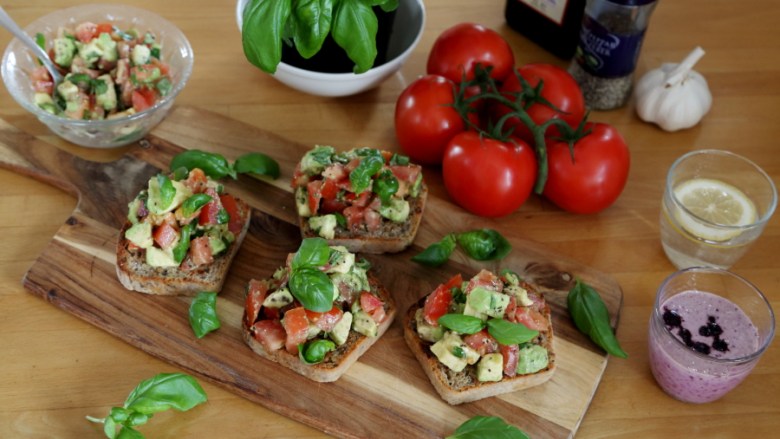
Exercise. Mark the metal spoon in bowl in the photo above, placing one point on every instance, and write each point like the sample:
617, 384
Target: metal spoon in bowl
7, 22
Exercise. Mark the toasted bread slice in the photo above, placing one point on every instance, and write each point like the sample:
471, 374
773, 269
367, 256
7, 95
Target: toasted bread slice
460, 387
136, 275
391, 237
336, 362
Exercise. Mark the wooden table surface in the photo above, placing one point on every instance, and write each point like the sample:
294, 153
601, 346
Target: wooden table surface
56, 369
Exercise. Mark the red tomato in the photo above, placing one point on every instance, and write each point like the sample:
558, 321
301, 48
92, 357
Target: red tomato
209, 213
236, 222
560, 89
596, 176
485, 279
313, 189
425, 120
531, 318
369, 302
481, 342
486, 176
458, 49
325, 320
143, 98
165, 235
437, 304
104, 28
255, 295
511, 354
296, 325
86, 31
200, 251
270, 333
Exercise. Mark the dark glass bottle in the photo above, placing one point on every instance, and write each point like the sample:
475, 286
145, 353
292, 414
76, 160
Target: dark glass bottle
552, 24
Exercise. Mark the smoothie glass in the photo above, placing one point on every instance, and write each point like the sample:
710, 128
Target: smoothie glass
729, 325
716, 203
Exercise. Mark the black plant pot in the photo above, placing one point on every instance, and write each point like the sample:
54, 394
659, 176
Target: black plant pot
333, 59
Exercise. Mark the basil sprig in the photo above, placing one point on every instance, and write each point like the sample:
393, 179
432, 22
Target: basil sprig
162, 392
385, 186
307, 23
217, 166
203, 313
479, 244
360, 177
591, 317
307, 282
480, 427
505, 332
314, 351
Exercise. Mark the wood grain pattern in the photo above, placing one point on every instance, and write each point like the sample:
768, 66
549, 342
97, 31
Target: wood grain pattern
76, 273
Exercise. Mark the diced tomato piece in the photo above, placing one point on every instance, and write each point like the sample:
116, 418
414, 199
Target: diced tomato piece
408, 173
369, 302
332, 205
386, 155
352, 165
209, 213
104, 28
354, 216
196, 180
200, 251
43, 87
143, 98
296, 325
325, 320
270, 333
271, 313
313, 189
531, 318
454, 281
335, 172
86, 31
378, 315
361, 200
509, 313
299, 178
165, 235
485, 279
236, 222
329, 189
482, 342
437, 304
255, 295
537, 299
372, 219
511, 355
41, 79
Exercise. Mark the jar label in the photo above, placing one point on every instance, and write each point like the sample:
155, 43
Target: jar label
552, 9
606, 54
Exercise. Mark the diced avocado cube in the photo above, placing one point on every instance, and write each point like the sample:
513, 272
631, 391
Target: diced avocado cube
356, 280
64, 49
107, 47
278, 299
302, 202
489, 302
314, 331
90, 52
159, 258
450, 353
395, 210
340, 332
341, 260
324, 225
414, 190
470, 311
216, 243
425, 331
45, 102
68, 90
106, 98
140, 234
531, 358
140, 55
520, 293
491, 367
364, 324
315, 160
155, 199
132, 209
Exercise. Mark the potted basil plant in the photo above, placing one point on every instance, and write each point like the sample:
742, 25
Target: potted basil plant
309, 26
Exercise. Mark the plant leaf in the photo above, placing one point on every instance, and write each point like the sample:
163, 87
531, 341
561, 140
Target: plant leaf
313, 252
360, 177
314, 351
437, 253
591, 317
354, 29
203, 313
462, 323
312, 288
262, 31
212, 164
508, 333
311, 24
165, 391
484, 244
129, 433
480, 427
257, 163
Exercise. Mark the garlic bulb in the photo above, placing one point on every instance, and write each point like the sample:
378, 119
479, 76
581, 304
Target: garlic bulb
674, 96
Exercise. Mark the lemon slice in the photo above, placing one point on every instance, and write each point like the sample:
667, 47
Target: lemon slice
713, 203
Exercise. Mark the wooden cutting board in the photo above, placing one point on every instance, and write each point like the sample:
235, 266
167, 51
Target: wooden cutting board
385, 393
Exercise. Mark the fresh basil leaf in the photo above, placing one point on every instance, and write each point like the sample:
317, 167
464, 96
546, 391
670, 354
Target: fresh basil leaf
203, 313
480, 427
82, 80
313, 252
484, 244
389, 5
212, 164
354, 29
311, 25
165, 391
360, 177
385, 185
258, 164
99, 86
180, 173
155, 53
437, 253
183, 246
591, 317
193, 203
40, 40
341, 220
129, 433
458, 295
109, 426
508, 333
164, 86
399, 160
262, 31
120, 414
167, 191
314, 351
223, 217
312, 288
462, 323
135, 419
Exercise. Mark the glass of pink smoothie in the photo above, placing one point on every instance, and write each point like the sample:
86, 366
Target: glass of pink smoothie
708, 329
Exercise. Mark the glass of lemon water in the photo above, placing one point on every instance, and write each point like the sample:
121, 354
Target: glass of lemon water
716, 203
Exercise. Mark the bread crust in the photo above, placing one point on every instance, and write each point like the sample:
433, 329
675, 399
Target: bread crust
336, 362
385, 240
460, 387
136, 275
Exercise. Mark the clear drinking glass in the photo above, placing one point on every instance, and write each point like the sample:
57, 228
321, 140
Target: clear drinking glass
729, 322
692, 237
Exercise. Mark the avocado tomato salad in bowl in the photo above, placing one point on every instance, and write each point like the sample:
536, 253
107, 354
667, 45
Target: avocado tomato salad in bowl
123, 68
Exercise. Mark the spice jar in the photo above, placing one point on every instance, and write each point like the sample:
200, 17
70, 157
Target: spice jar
610, 40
